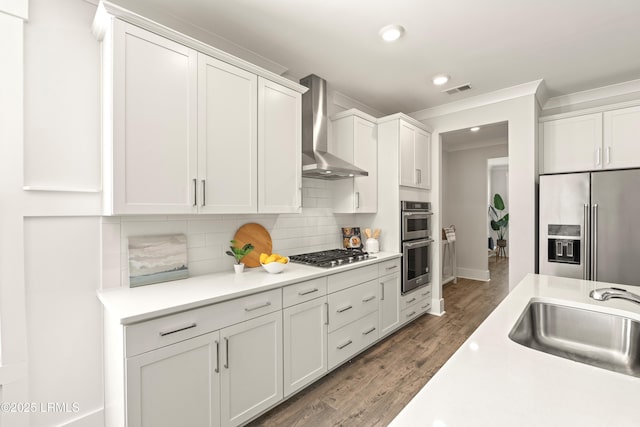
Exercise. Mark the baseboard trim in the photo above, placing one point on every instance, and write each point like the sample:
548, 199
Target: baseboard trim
473, 274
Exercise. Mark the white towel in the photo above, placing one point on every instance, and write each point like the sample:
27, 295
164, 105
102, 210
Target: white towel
450, 232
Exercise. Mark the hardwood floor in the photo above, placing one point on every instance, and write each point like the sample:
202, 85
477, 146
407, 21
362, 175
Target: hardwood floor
377, 384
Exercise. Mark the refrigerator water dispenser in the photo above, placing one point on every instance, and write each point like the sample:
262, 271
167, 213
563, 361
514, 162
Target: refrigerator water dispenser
563, 243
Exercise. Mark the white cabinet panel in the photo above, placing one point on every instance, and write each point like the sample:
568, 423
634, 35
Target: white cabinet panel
305, 343
415, 156
622, 138
279, 148
352, 303
422, 152
572, 144
175, 385
227, 134
251, 374
154, 124
389, 303
407, 165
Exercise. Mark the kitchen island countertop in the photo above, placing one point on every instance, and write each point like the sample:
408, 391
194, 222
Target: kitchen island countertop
132, 305
493, 381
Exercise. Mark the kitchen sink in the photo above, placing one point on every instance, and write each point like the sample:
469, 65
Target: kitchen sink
604, 340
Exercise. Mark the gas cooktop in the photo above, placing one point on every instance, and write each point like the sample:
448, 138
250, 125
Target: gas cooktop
331, 257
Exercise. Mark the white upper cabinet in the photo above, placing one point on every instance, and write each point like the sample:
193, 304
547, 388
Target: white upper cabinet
279, 148
621, 143
415, 153
355, 140
189, 132
602, 140
227, 137
150, 144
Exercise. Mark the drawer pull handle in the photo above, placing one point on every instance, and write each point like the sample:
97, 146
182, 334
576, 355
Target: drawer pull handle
372, 297
424, 307
266, 304
369, 331
411, 314
391, 268
180, 329
411, 300
426, 294
342, 310
340, 347
310, 291
217, 357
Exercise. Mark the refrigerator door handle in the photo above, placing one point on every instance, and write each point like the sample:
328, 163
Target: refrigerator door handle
586, 237
594, 242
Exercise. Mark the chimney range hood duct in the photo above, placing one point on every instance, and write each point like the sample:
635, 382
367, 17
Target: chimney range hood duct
316, 161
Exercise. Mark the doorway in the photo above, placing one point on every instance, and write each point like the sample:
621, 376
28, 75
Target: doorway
465, 189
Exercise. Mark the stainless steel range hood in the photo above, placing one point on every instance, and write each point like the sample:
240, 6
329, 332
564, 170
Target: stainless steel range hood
316, 161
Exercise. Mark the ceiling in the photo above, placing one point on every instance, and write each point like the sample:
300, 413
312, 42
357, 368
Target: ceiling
574, 45
487, 135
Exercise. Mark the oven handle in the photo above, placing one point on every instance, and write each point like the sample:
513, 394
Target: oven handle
418, 243
416, 213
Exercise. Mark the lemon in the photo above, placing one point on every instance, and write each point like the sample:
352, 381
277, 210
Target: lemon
282, 260
271, 258
263, 258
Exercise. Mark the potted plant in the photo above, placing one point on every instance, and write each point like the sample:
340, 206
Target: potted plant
499, 222
238, 254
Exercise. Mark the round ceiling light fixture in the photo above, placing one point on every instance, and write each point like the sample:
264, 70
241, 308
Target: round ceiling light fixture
391, 33
440, 79
475, 129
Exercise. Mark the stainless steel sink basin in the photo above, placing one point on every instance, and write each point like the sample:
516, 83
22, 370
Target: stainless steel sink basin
599, 339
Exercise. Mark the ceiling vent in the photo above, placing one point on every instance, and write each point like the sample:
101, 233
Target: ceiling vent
458, 89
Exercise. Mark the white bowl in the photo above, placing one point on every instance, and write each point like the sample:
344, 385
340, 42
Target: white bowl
275, 267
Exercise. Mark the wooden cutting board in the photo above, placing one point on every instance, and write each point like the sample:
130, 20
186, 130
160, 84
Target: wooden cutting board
259, 237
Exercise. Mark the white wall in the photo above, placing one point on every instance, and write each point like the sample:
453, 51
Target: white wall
464, 200
522, 115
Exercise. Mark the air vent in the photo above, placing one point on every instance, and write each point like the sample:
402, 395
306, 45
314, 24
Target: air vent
458, 89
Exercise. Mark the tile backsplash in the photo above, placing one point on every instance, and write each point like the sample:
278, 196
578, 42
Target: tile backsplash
315, 228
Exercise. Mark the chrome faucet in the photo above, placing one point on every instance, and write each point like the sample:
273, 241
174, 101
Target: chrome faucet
604, 294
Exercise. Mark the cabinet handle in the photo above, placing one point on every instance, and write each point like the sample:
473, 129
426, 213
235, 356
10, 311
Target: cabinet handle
226, 345
204, 192
326, 304
340, 347
382, 292
310, 291
608, 155
417, 178
598, 156
426, 293
411, 314
217, 357
342, 310
426, 306
372, 297
195, 192
180, 329
369, 331
411, 300
357, 200
393, 267
266, 304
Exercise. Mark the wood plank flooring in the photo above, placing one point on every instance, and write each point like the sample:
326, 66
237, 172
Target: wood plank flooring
377, 384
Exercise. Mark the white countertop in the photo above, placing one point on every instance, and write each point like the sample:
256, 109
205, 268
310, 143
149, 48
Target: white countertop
493, 381
131, 305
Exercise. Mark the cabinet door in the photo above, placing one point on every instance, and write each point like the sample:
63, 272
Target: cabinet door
365, 156
279, 148
622, 138
154, 124
177, 385
227, 137
251, 375
422, 151
305, 343
407, 160
572, 144
389, 303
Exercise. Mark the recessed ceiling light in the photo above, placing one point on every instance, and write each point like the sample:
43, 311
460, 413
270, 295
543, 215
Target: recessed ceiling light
391, 33
327, 172
475, 129
440, 79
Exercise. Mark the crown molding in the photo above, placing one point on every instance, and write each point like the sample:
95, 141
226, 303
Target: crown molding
618, 89
474, 145
345, 101
530, 88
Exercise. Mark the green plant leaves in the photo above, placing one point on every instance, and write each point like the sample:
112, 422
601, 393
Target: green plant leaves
498, 203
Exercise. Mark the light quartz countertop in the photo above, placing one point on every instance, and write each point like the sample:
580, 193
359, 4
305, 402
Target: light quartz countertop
132, 305
493, 381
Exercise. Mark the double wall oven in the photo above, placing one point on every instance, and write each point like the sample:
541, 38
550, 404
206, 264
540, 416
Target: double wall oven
416, 241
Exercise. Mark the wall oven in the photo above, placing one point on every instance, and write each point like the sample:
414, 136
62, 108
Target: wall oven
416, 244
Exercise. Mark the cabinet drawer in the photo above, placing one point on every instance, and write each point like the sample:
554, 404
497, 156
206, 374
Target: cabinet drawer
156, 333
353, 303
410, 313
351, 339
304, 291
340, 281
389, 267
414, 297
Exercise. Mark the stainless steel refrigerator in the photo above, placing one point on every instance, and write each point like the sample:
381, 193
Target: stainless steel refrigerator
590, 226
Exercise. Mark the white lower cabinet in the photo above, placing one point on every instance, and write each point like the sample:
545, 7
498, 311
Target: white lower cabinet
349, 340
251, 371
305, 343
175, 385
389, 303
415, 303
